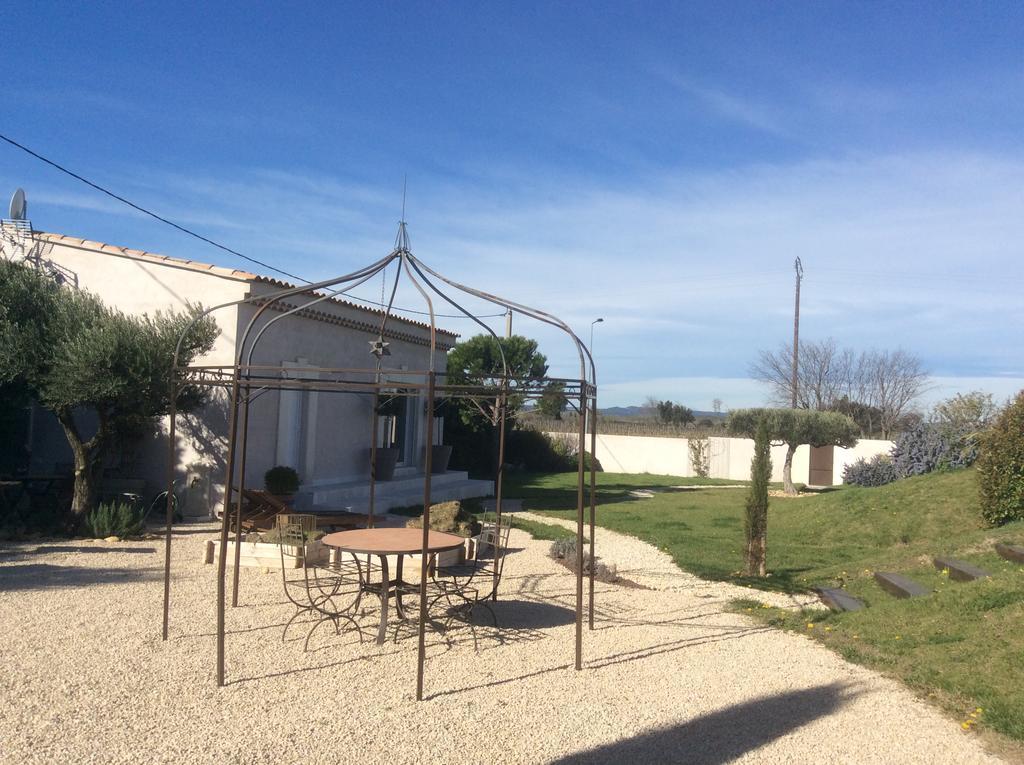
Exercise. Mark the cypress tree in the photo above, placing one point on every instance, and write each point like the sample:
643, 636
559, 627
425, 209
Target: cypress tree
756, 521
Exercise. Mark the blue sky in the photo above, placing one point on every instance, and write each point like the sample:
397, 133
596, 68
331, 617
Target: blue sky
656, 164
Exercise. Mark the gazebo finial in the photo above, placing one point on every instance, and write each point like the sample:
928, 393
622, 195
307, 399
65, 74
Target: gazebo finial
402, 240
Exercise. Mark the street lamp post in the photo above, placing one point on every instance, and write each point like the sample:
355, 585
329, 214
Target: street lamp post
591, 349
591, 346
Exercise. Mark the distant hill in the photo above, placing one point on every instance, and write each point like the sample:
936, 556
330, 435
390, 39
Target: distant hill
623, 411
628, 412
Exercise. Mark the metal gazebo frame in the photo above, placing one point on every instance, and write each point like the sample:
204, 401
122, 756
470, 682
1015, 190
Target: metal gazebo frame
246, 381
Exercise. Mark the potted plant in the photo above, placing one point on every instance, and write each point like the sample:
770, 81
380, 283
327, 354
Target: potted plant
389, 406
282, 481
440, 452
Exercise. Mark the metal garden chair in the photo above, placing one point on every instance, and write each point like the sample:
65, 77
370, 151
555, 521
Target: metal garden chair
318, 590
473, 584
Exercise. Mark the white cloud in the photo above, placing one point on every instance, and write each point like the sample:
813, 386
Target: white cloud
691, 271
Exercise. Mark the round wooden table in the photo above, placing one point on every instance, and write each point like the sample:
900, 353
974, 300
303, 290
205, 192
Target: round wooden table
383, 542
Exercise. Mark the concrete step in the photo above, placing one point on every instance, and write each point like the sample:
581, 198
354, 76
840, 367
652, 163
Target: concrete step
960, 570
388, 496
839, 599
1014, 553
899, 585
507, 505
346, 492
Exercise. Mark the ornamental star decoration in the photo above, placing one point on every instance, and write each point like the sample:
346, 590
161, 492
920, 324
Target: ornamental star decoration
379, 347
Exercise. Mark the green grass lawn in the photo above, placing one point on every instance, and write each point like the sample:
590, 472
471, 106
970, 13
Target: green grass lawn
548, 532
962, 645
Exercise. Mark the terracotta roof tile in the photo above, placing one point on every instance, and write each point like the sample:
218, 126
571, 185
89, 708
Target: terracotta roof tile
232, 273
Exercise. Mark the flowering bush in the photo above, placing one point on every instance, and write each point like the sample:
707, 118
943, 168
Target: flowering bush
877, 471
928, 446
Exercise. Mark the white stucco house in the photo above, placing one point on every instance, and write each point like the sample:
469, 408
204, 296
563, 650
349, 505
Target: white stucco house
325, 436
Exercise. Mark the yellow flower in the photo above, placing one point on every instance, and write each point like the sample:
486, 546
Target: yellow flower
827, 628
965, 725
979, 710
898, 637
810, 625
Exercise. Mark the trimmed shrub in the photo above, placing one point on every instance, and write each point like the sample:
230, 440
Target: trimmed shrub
1001, 466
281, 480
537, 452
115, 519
876, 471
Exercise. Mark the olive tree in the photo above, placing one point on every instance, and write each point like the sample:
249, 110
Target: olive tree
793, 428
75, 356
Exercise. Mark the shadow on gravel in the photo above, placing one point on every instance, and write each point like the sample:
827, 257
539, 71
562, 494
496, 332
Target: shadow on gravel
44, 576
80, 549
531, 614
679, 644
722, 736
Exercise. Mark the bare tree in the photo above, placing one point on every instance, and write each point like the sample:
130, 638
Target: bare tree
824, 373
838, 379
891, 381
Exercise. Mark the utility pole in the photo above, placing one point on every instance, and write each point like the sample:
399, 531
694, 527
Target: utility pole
799, 268
508, 323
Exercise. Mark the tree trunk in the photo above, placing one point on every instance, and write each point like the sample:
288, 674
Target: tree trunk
762, 551
88, 464
787, 471
750, 559
756, 558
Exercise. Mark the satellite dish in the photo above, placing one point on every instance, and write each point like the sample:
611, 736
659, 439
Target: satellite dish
19, 207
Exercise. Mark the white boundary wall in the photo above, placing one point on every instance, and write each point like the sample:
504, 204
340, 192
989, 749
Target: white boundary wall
730, 457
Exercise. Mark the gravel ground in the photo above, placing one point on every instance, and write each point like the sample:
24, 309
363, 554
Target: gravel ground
669, 676
647, 565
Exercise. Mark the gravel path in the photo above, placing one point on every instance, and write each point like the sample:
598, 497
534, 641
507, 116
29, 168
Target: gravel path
647, 565
670, 676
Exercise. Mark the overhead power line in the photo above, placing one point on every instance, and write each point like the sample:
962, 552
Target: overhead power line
199, 236
143, 210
